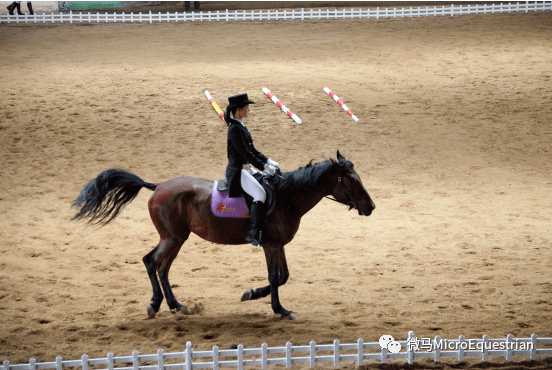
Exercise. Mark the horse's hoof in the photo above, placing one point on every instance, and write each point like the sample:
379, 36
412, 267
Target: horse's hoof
179, 307
289, 316
182, 309
247, 295
151, 312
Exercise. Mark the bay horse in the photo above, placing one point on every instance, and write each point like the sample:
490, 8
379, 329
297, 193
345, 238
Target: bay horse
182, 205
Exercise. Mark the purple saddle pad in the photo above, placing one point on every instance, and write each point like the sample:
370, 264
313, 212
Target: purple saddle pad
224, 206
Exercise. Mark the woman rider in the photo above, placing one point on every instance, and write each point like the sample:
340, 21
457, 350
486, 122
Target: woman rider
241, 155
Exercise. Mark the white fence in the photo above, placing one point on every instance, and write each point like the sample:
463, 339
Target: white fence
302, 14
313, 353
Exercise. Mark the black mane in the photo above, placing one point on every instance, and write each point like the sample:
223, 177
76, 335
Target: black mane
305, 178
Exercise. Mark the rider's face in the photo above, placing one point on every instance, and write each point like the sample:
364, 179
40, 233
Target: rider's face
242, 112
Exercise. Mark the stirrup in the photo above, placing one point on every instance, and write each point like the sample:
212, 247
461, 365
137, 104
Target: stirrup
257, 242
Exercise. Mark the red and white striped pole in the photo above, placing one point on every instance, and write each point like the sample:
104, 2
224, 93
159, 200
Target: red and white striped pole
281, 106
340, 102
215, 105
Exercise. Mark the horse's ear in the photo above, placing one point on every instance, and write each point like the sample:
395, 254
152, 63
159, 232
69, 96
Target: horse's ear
335, 164
339, 156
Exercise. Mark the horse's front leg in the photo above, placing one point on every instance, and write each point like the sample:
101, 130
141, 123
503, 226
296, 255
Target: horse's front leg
278, 275
262, 292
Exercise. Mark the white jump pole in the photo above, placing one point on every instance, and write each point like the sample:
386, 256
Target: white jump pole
281, 106
340, 102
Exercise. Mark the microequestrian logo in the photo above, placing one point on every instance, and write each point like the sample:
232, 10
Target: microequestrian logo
222, 208
390, 344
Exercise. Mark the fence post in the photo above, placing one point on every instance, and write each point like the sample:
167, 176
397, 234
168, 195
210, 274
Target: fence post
240, 356
32, 364
84, 362
188, 355
534, 349
336, 353
135, 363
288, 355
215, 358
264, 348
509, 345
461, 340
437, 356
150, 15
410, 358
109, 361
384, 355
360, 354
312, 353
485, 355
6, 365
160, 360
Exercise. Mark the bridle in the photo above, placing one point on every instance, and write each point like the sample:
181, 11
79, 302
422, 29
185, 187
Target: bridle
350, 202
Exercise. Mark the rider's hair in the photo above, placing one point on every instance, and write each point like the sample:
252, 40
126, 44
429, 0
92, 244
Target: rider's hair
232, 109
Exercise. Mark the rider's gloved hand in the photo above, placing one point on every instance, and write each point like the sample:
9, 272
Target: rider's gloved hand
271, 170
273, 163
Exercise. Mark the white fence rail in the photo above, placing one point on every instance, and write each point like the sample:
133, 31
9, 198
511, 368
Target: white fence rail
313, 353
297, 14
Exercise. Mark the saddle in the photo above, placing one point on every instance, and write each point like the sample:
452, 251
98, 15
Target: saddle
224, 206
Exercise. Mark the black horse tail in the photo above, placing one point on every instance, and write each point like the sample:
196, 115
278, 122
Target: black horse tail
101, 200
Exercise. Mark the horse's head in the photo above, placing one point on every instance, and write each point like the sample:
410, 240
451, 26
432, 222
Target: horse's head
348, 188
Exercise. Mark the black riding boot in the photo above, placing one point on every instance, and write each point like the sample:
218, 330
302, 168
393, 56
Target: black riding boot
254, 234
30, 6
18, 6
10, 8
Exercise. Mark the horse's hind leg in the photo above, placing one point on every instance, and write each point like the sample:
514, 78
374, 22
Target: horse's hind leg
159, 261
163, 272
157, 292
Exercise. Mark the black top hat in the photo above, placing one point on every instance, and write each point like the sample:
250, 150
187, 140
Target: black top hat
239, 100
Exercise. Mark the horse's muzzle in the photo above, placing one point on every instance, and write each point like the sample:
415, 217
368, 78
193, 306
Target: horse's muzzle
366, 211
